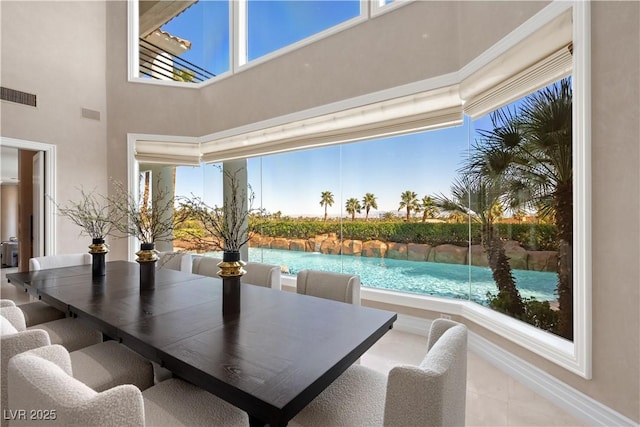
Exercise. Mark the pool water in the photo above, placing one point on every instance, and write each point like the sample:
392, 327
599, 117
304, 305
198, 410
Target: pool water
426, 278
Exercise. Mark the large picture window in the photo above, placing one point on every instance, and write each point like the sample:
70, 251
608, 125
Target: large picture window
504, 217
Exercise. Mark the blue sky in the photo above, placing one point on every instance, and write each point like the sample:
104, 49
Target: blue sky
426, 163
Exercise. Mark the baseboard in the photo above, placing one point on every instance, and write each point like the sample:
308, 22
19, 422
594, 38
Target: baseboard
572, 401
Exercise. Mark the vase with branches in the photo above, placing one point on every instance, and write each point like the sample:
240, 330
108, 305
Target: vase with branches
226, 229
150, 219
92, 213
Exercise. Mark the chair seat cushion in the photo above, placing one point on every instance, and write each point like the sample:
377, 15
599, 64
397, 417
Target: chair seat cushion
174, 402
356, 398
71, 333
39, 312
108, 364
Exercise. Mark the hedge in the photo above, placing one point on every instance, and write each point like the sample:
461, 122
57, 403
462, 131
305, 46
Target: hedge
530, 236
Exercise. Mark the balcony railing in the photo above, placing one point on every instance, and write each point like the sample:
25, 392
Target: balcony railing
159, 64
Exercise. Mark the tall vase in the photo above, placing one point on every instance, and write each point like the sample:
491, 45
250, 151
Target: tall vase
147, 257
98, 250
230, 271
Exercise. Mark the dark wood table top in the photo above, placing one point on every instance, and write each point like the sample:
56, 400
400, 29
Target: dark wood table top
270, 360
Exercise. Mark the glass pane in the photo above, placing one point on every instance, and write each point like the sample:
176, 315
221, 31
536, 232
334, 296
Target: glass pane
273, 25
297, 189
205, 25
521, 179
197, 184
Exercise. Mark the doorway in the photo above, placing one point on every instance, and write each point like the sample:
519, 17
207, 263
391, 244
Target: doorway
35, 215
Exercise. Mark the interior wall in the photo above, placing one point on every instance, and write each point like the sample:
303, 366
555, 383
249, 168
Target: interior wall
56, 50
412, 43
8, 211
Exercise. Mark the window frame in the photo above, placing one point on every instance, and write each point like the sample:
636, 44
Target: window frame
573, 356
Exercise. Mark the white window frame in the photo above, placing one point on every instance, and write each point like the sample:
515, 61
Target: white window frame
573, 356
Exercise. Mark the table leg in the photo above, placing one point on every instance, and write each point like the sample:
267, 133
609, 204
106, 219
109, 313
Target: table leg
256, 422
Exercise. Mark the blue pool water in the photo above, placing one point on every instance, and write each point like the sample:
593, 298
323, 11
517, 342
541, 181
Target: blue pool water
426, 278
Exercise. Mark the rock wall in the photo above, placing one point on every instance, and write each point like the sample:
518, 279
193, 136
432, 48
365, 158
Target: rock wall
519, 258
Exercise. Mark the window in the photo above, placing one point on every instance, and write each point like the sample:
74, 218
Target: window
436, 108
193, 42
272, 25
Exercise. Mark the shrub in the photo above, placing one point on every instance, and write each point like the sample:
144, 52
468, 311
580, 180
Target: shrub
530, 236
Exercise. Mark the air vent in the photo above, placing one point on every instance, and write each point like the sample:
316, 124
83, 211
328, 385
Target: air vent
17, 96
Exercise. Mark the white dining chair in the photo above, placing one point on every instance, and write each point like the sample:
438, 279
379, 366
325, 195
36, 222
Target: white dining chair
44, 381
205, 266
260, 274
431, 394
329, 285
99, 366
57, 261
179, 261
37, 312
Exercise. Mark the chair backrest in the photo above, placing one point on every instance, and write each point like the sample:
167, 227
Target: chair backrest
39, 383
15, 339
179, 261
434, 393
7, 303
267, 275
58, 261
325, 284
205, 266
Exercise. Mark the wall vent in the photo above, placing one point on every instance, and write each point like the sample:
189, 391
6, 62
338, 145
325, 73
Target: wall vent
17, 96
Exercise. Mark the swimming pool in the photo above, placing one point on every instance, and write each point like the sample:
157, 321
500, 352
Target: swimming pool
426, 278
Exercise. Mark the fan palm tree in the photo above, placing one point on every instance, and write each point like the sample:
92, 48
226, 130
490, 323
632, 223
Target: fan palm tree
353, 206
477, 199
409, 201
428, 208
369, 201
530, 148
326, 199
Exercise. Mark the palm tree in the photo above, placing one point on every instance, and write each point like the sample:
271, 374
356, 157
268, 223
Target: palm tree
326, 199
368, 202
477, 199
428, 208
352, 206
409, 201
530, 148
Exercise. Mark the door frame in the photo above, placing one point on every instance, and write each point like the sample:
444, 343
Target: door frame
49, 185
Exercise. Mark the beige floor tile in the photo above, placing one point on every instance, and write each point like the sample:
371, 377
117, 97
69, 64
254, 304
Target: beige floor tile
483, 410
485, 379
539, 412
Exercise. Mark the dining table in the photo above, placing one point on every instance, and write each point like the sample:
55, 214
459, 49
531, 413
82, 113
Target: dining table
270, 360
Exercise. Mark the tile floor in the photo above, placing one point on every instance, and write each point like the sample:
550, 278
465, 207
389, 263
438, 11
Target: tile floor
493, 398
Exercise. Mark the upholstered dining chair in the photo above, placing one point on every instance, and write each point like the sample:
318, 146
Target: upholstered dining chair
205, 266
37, 312
431, 394
329, 285
68, 332
42, 380
259, 274
57, 261
99, 366
180, 261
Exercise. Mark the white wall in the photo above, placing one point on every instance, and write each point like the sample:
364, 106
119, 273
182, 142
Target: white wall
8, 211
57, 50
